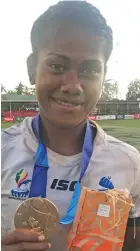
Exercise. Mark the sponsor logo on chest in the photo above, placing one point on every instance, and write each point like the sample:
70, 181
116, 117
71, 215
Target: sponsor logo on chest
22, 189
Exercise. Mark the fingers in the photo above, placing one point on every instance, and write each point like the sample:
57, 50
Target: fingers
21, 235
27, 246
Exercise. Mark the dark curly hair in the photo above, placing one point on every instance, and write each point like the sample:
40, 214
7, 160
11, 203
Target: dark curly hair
81, 13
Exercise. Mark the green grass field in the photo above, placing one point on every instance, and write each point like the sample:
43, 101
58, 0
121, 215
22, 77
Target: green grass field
5, 125
125, 130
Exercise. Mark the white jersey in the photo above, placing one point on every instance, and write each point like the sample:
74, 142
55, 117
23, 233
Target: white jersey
113, 164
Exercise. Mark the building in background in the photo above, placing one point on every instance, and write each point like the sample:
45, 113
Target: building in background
21, 106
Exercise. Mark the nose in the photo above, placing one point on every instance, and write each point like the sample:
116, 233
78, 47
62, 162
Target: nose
71, 83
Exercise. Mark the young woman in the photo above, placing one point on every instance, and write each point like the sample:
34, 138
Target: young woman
71, 44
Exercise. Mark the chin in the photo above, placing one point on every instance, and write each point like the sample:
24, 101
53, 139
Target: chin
64, 119
67, 122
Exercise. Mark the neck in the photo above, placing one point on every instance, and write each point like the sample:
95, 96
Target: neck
66, 141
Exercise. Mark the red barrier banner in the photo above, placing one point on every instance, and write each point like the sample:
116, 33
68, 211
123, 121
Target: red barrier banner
22, 113
92, 117
9, 119
136, 116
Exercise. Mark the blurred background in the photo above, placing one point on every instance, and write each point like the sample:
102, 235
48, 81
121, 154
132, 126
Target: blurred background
119, 108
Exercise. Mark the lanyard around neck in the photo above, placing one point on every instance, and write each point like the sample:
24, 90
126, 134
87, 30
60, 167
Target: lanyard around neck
39, 177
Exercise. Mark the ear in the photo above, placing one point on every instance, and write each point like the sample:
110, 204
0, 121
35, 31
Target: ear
31, 68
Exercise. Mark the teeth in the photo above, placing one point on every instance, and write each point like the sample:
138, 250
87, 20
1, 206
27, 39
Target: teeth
67, 104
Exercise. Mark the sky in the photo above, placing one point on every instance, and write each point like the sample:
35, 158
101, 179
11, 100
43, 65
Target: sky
17, 17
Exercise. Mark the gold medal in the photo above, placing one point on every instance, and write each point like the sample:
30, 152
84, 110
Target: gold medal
37, 214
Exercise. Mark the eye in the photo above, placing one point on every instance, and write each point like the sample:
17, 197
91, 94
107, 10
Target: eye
58, 68
90, 68
88, 72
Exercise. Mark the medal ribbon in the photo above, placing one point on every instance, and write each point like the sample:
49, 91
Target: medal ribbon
39, 177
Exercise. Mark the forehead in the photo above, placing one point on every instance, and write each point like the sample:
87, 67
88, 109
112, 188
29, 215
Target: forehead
74, 43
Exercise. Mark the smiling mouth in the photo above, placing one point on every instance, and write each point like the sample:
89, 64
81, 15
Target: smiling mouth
67, 104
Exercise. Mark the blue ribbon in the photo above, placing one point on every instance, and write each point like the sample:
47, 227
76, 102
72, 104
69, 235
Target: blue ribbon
39, 177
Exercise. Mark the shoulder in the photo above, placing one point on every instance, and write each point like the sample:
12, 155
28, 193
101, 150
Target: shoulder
121, 146
127, 156
116, 148
19, 138
124, 159
19, 146
116, 154
124, 150
12, 134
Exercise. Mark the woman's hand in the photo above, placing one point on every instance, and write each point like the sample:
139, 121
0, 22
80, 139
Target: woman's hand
24, 240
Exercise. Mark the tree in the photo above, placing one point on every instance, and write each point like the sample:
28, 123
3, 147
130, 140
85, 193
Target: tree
110, 90
31, 91
20, 89
3, 89
133, 90
26, 91
11, 92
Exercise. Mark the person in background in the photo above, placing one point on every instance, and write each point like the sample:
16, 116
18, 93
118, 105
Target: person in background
71, 44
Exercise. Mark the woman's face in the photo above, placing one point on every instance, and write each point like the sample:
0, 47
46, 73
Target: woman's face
69, 76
